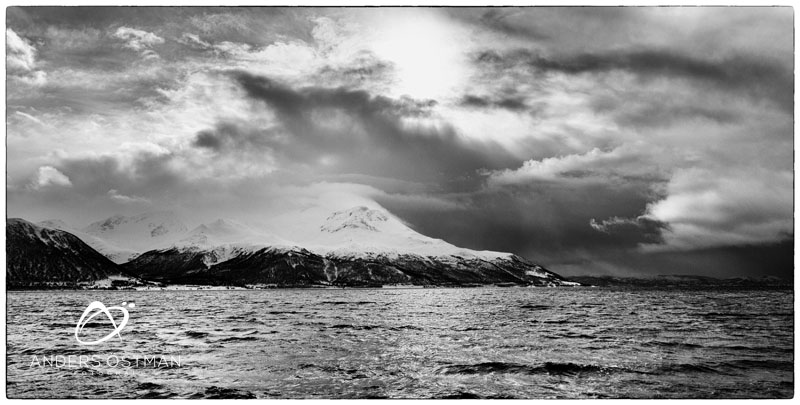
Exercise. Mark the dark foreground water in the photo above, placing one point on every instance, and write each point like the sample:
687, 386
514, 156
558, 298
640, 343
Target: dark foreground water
406, 343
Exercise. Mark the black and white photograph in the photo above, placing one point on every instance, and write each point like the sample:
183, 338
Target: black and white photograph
399, 202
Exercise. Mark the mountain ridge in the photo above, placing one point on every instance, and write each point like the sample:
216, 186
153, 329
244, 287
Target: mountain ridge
45, 257
351, 247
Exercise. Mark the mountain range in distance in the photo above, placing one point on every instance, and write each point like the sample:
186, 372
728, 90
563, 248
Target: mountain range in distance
356, 247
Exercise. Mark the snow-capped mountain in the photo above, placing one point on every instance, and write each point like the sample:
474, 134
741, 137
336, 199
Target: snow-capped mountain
140, 232
38, 256
363, 231
227, 232
356, 246
222, 240
113, 252
55, 224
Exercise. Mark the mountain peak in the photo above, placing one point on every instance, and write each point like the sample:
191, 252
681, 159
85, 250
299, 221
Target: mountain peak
108, 223
139, 232
355, 218
42, 256
227, 232
221, 227
150, 219
18, 221
55, 224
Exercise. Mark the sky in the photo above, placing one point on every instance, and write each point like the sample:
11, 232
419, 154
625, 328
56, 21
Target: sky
623, 141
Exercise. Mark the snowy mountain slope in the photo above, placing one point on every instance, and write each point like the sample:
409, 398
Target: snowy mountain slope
312, 246
164, 230
363, 231
222, 240
55, 224
301, 267
141, 232
113, 252
228, 232
354, 232
45, 256
356, 246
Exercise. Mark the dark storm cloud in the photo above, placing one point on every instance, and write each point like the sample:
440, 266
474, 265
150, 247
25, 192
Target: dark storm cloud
364, 68
142, 174
546, 220
208, 139
92, 16
508, 103
768, 259
367, 134
497, 20
760, 77
552, 226
545, 24
646, 111
296, 102
359, 72
527, 218
228, 136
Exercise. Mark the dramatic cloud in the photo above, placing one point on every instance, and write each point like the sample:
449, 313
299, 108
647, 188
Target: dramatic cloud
226, 137
50, 176
194, 41
351, 131
515, 104
618, 140
755, 76
140, 41
626, 163
20, 54
137, 39
639, 227
505, 22
21, 60
706, 208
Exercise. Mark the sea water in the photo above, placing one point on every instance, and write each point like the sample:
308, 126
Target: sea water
405, 343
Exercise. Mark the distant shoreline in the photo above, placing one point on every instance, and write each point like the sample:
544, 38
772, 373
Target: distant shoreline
631, 287
288, 287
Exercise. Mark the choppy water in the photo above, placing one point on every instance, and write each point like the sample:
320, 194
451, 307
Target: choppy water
409, 343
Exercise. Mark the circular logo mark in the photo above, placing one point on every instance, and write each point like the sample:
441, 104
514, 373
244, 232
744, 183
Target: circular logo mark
97, 308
